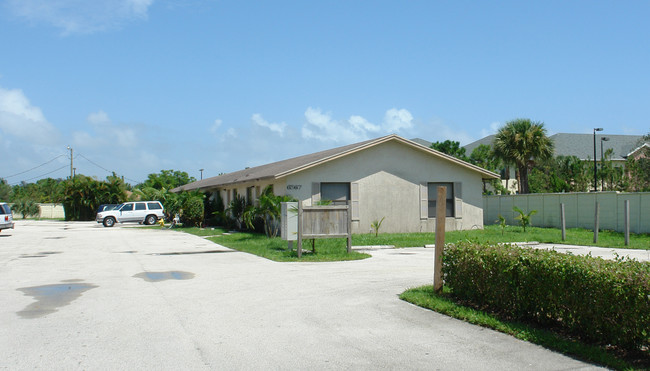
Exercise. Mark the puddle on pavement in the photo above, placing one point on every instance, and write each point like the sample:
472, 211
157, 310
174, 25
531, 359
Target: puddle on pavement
162, 276
193, 252
49, 298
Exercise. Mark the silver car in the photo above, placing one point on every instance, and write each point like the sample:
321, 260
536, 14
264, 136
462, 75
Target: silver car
145, 212
6, 217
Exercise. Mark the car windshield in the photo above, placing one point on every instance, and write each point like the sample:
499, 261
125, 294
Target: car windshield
119, 207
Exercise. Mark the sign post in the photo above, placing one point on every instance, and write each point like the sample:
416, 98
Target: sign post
441, 216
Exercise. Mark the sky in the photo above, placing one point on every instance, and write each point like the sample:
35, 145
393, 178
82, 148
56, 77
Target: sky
138, 86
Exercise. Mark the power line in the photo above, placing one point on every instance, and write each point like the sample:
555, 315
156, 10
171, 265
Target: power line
42, 175
36, 167
94, 163
103, 168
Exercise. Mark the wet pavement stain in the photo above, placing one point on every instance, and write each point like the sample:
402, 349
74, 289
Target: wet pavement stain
128, 252
162, 276
53, 238
49, 298
193, 252
41, 254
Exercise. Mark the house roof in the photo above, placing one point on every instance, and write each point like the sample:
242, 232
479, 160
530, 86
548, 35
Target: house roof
581, 145
284, 168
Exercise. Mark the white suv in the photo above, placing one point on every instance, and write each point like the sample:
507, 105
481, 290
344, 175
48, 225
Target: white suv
146, 212
6, 217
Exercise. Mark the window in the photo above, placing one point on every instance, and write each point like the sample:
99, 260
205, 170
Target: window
127, 207
338, 193
249, 194
154, 206
140, 206
433, 195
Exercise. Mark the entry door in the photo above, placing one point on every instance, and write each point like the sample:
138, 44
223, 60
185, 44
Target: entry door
127, 213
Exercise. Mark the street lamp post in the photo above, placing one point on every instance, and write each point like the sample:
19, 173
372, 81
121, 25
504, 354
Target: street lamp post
71, 164
595, 171
602, 162
201, 170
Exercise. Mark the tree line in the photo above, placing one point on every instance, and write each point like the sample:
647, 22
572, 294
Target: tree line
524, 145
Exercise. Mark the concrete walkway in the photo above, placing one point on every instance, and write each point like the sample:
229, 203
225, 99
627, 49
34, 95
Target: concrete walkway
80, 296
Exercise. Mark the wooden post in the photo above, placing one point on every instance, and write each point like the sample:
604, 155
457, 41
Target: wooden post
299, 229
626, 212
563, 221
596, 222
441, 216
349, 226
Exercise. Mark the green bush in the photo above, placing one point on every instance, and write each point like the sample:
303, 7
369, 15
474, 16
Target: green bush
600, 301
27, 208
192, 211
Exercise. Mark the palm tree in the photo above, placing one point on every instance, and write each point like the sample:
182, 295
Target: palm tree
521, 142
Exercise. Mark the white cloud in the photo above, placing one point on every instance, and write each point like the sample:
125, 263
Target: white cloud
215, 127
396, 120
106, 133
361, 124
494, 127
98, 118
19, 118
80, 16
278, 128
321, 126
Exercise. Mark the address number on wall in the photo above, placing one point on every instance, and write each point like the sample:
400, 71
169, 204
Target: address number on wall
294, 186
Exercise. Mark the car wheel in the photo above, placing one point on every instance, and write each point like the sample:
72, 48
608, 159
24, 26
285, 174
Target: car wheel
151, 220
109, 222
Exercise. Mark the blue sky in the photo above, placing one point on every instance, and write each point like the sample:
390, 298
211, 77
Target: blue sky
136, 86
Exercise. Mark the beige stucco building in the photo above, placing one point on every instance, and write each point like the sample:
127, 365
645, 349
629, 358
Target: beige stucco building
389, 177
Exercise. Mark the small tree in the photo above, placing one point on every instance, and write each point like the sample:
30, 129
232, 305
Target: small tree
27, 208
376, 224
502, 223
524, 219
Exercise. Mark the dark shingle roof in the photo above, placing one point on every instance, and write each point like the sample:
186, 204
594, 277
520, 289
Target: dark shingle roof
582, 145
287, 167
470, 147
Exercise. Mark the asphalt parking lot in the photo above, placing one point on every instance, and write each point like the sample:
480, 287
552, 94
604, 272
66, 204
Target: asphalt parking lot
80, 296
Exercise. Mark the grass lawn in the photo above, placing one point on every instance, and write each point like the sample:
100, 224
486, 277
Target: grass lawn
425, 297
492, 234
333, 249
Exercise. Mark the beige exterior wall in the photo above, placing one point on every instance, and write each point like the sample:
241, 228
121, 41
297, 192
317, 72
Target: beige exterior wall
389, 178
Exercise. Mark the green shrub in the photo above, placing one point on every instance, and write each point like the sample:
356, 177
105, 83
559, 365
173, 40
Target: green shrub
601, 301
192, 211
27, 208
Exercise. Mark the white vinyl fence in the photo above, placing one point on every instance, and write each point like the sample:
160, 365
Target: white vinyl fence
579, 209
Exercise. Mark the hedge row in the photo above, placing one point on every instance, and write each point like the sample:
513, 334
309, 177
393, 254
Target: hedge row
600, 301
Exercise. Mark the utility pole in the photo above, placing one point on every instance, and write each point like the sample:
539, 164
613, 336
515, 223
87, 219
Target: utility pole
71, 164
